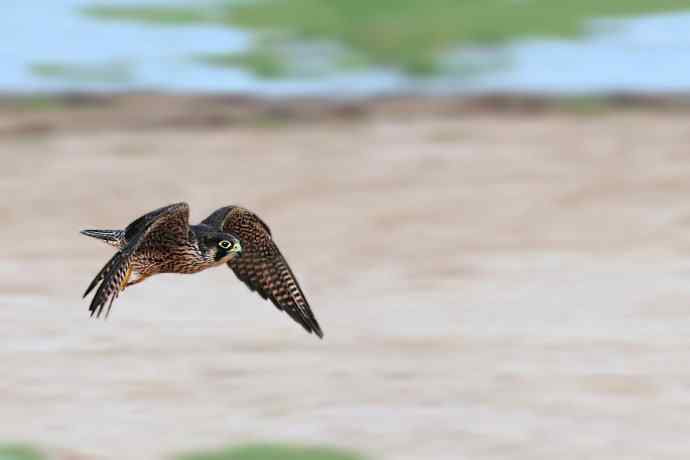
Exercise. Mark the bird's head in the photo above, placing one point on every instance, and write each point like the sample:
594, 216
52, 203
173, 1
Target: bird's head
219, 248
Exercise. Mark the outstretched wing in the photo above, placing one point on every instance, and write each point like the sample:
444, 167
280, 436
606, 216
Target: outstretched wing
261, 266
113, 277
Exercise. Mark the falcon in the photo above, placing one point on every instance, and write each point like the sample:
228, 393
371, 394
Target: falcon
162, 241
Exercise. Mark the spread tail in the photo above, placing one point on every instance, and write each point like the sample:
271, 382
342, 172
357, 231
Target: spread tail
112, 237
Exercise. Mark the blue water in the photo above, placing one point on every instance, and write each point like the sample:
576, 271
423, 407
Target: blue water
647, 54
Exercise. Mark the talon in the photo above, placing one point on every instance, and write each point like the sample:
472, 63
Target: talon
124, 284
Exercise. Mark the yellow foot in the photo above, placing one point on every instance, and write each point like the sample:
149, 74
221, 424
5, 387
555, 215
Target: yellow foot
124, 284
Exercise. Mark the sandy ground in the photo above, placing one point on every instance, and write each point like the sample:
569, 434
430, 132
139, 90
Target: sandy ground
490, 287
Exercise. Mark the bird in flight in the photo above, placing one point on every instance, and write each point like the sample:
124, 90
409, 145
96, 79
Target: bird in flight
162, 241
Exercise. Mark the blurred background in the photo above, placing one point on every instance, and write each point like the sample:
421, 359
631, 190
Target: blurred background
485, 202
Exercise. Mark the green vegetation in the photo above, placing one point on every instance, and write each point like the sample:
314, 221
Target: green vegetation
109, 73
410, 35
583, 105
250, 452
39, 102
19, 452
155, 14
264, 62
273, 452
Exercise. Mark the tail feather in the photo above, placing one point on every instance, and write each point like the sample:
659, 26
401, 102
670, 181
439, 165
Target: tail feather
112, 237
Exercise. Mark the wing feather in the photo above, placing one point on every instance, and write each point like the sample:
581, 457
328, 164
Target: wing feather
262, 267
111, 278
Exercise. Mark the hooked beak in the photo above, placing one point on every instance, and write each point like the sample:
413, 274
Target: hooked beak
236, 248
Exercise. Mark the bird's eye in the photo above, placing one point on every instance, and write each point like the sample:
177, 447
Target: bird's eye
225, 244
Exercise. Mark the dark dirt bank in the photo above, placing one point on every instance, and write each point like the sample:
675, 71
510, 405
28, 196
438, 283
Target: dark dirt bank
136, 111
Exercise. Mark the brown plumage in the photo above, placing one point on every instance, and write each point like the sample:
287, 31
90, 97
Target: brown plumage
162, 241
262, 267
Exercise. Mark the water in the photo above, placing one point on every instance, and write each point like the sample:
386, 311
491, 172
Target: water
646, 54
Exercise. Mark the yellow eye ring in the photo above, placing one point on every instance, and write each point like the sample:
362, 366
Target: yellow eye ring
225, 244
